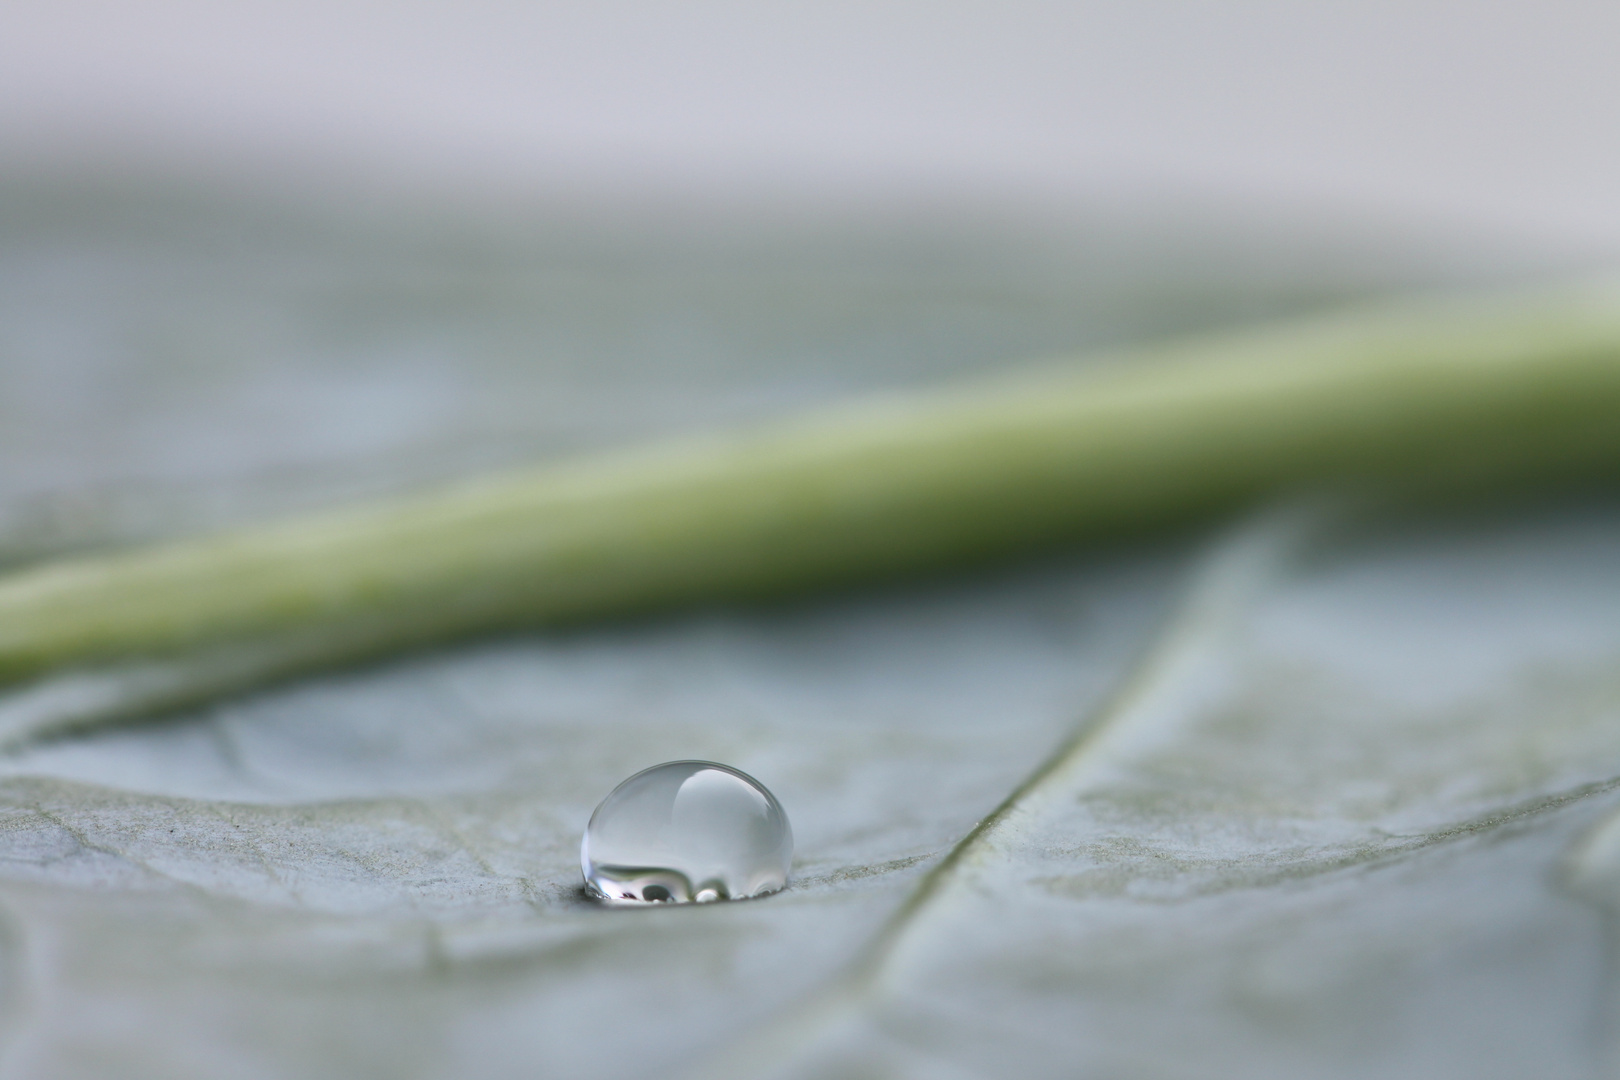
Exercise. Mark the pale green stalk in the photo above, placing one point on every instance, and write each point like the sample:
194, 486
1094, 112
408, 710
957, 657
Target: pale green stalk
1481, 391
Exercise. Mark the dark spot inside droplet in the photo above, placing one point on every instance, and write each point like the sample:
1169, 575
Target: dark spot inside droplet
655, 892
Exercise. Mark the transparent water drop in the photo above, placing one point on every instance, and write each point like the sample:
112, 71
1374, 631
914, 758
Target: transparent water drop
686, 832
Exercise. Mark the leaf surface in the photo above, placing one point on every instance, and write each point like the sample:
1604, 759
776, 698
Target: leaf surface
1324, 795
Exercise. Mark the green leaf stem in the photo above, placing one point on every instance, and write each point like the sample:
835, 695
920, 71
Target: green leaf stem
1484, 390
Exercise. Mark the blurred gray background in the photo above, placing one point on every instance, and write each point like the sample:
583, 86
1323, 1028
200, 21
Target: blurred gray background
1498, 117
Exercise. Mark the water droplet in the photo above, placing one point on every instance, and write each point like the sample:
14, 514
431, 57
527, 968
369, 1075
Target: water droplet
684, 832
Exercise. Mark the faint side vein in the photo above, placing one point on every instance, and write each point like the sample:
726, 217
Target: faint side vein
1141, 707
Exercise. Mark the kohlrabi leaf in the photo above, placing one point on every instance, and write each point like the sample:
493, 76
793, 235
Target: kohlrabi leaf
1325, 793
